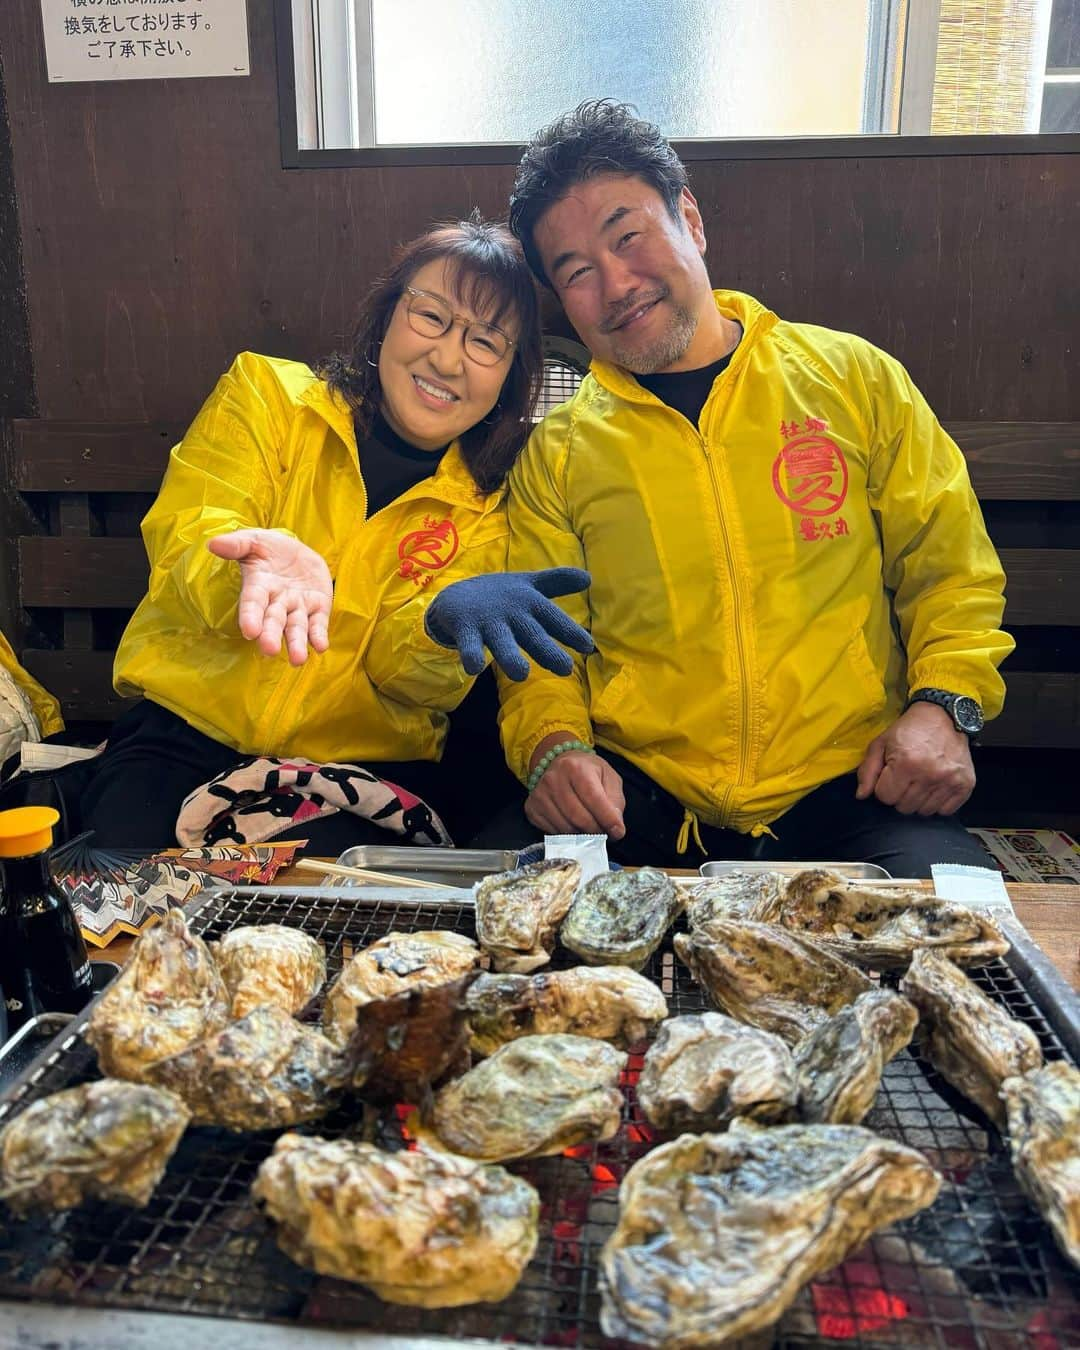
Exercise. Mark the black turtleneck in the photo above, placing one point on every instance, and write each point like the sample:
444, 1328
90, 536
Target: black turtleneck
391, 465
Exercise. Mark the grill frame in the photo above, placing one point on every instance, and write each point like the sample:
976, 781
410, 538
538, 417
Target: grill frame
201, 1247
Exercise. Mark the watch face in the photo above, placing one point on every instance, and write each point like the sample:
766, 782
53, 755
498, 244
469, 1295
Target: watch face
968, 715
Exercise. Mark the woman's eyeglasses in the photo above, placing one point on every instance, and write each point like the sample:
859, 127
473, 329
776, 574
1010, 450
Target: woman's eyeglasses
430, 316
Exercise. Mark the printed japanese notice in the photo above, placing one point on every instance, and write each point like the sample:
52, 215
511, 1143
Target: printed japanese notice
144, 39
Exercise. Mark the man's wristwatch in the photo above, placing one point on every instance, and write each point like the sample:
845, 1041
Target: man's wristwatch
966, 714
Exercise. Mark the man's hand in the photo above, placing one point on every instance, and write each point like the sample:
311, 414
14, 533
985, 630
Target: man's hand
921, 765
510, 613
285, 588
578, 794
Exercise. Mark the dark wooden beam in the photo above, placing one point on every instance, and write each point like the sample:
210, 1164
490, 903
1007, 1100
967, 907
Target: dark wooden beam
1021, 461
82, 573
84, 457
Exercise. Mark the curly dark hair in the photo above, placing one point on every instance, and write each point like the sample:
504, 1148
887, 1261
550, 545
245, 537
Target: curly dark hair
488, 275
599, 136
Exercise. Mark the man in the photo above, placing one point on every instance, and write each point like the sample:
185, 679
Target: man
794, 601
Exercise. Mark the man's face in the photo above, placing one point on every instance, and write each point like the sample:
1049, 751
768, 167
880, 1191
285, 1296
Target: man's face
631, 278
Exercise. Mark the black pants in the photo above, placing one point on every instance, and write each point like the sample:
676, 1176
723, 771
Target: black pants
826, 825
154, 759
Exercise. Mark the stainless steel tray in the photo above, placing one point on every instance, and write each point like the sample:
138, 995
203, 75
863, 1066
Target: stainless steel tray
451, 866
862, 870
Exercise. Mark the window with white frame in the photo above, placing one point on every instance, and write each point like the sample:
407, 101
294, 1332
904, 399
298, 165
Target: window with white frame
376, 74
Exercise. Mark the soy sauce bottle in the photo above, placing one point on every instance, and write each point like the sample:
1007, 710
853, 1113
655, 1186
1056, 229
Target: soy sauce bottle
43, 962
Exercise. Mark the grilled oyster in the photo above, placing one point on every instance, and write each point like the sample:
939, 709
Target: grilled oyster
107, 1141
717, 1233
881, 929
769, 978
518, 913
620, 918
168, 995
1044, 1135
405, 1043
839, 1065
270, 963
416, 1227
394, 963
535, 1096
609, 1003
705, 1069
739, 895
263, 1072
969, 1039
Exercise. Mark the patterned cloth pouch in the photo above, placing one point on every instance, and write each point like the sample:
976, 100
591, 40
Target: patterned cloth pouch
260, 798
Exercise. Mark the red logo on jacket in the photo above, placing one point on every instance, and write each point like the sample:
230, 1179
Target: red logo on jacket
810, 474
428, 550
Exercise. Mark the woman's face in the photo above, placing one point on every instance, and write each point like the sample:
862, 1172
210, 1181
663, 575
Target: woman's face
432, 389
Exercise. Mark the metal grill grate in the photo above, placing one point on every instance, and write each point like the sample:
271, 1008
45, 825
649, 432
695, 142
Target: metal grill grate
979, 1270
561, 380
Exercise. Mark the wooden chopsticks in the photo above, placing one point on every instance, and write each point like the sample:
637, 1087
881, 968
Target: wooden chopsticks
364, 874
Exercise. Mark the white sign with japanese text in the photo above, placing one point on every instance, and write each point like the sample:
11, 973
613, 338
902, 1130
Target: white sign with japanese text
144, 39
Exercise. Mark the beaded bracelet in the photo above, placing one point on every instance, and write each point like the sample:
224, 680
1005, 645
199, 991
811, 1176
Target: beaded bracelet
546, 760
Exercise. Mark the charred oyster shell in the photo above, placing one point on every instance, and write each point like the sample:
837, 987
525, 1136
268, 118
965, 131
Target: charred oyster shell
969, 1039
519, 912
717, 1233
419, 1228
768, 977
394, 963
270, 963
263, 1072
608, 1003
168, 995
620, 918
1043, 1109
705, 1069
404, 1044
535, 1096
108, 1140
880, 929
839, 1065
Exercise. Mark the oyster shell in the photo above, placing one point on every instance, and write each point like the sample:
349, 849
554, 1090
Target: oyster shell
405, 1043
620, 918
264, 1072
538, 1095
108, 1140
518, 913
717, 1233
705, 1069
839, 1065
739, 895
608, 1003
1043, 1109
270, 963
768, 977
168, 995
880, 929
970, 1040
419, 1228
394, 963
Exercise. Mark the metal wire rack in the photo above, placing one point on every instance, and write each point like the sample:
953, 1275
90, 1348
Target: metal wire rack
977, 1271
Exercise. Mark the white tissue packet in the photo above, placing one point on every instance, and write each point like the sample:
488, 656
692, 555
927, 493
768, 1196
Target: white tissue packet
590, 850
978, 888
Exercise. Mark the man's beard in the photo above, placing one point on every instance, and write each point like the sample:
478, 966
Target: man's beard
661, 351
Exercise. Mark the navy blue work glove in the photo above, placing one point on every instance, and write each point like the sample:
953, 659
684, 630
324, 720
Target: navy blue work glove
508, 611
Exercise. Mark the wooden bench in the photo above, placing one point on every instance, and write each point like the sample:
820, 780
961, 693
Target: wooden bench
90, 485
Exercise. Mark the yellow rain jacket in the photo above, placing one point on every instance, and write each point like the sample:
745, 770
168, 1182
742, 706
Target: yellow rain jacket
767, 586
273, 448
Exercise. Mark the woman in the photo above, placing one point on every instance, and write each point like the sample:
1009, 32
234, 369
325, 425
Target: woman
331, 510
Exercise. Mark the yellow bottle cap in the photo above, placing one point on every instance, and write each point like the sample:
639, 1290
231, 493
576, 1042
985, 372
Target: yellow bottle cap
26, 830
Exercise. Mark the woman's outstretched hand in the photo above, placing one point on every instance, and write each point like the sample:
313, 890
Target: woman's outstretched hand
285, 590
510, 613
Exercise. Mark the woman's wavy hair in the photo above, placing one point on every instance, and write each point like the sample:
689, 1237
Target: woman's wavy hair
488, 275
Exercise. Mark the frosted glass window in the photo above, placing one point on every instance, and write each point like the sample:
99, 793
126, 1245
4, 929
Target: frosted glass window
472, 71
